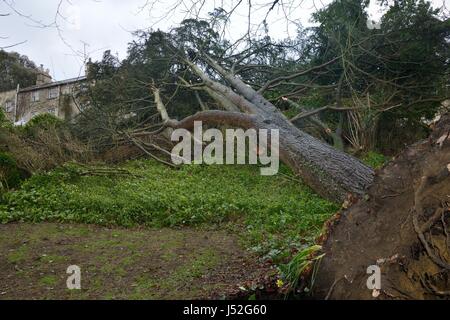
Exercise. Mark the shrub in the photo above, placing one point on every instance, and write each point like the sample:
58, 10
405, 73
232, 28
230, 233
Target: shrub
10, 176
4, 122
43, 121
43, 144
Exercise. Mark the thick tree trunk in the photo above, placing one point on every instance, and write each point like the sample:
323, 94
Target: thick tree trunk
330, 172
335, 136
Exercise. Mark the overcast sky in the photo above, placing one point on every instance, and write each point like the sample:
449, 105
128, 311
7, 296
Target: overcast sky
93, 26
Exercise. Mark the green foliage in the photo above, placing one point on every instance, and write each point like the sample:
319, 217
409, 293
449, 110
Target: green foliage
16, 69
3, 118
42, 144
313, 100
418, 43
395, 75
277, 214
44, 121
374, 159
4, 121
291, 271
10, 176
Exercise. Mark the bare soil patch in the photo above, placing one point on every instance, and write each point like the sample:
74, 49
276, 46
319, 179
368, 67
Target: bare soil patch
123, 263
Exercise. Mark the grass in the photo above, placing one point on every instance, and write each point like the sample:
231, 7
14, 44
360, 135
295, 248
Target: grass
374, 159
18, 255
123, 263
195, 266
48, 280
273, 214
300, 262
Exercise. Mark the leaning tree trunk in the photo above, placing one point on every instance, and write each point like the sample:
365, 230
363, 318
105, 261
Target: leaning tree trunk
330, 172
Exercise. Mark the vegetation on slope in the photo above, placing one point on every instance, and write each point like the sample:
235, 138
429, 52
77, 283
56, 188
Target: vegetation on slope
278, 213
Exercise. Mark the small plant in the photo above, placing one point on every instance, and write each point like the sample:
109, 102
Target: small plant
292, 271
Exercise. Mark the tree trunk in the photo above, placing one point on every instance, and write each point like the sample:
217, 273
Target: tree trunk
331, 173
335, 136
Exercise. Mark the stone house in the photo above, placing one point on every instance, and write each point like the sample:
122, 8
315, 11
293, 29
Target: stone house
46, 96
8, 103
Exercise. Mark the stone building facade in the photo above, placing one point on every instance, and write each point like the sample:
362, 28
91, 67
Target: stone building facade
46, 96
8, 103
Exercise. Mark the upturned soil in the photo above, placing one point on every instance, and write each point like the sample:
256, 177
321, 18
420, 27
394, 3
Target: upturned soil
402, 225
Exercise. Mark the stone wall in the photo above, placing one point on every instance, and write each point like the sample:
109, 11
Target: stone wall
56, 100
7, 103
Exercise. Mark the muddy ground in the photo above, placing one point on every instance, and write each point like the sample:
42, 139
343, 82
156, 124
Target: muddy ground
123, 263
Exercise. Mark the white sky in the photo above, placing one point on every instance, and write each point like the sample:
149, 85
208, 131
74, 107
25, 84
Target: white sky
93, 26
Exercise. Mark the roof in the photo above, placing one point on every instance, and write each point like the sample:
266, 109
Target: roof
53, 84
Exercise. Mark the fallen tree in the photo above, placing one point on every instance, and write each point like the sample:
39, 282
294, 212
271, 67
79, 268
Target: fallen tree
395, 224
193, 68
330, 172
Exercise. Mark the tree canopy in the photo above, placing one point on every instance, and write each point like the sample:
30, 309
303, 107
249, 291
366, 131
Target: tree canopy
364, 80
16, 69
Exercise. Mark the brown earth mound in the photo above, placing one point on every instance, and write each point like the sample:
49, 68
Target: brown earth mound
402, 225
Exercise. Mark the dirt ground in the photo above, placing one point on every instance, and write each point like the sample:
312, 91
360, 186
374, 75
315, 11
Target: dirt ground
123, 263
402, 225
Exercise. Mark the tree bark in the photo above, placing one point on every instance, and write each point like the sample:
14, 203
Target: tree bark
336, 136
331, 173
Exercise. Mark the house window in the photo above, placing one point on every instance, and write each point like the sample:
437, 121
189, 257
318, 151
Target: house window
51, 111
34, 96
9, 106
67, 90
53, 93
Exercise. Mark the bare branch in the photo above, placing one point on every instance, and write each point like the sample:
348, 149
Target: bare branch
274, 82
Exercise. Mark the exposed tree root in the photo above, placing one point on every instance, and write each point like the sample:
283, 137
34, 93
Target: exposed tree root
401, 225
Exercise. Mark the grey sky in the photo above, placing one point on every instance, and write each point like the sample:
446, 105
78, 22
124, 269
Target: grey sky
93, 26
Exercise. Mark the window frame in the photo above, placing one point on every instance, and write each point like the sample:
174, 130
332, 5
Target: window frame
54, 90
9, 106
35, 96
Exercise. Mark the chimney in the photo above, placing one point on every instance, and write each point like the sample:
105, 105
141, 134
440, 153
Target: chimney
87, 67
43, 76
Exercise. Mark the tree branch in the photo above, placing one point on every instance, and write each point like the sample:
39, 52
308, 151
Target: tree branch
272, 83
215, 117
306, 114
